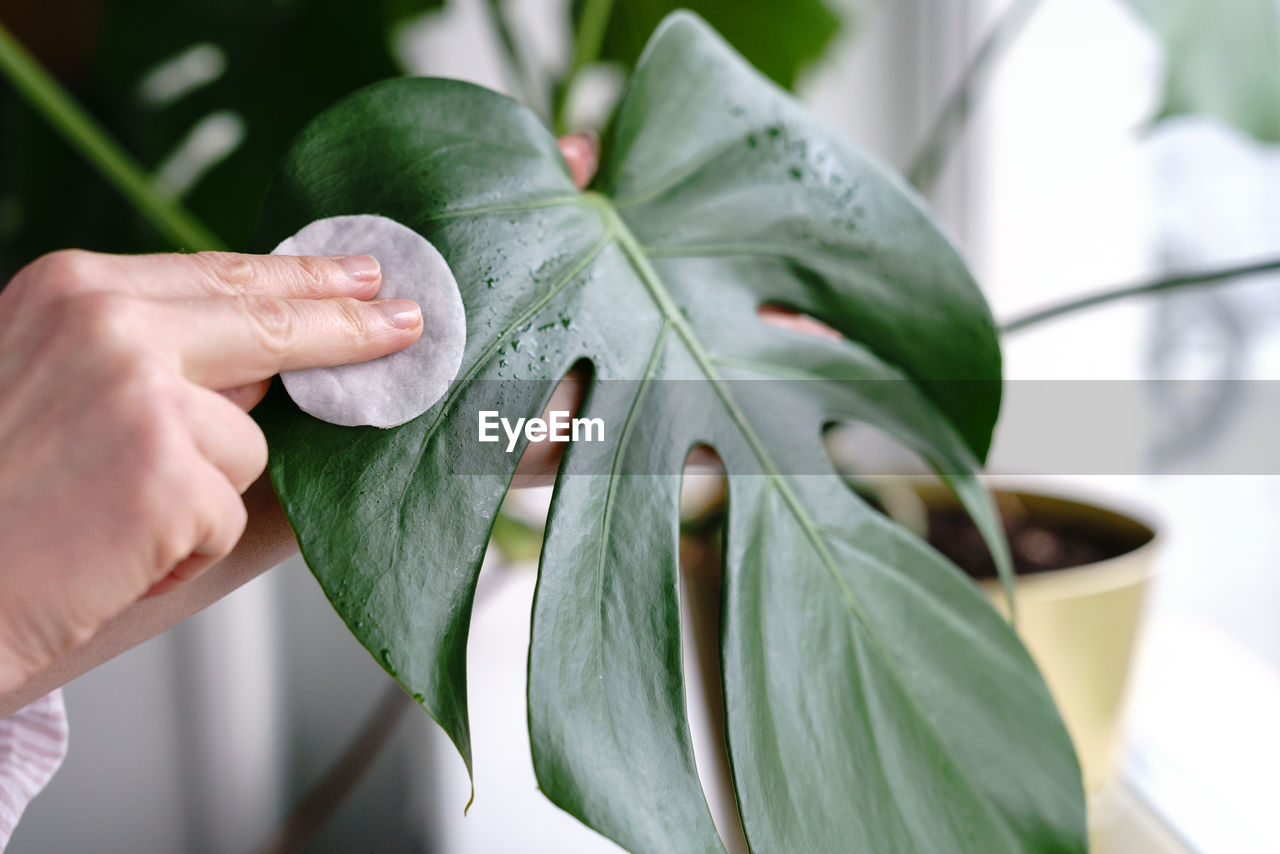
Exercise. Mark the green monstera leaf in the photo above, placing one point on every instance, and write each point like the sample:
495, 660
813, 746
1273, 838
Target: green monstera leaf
875, 701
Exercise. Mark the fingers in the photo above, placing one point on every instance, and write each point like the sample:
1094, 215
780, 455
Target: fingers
224, 517
246, 397
227, 437
205, 274
220, 274
225, 343
581, 151
232, 453
221, 520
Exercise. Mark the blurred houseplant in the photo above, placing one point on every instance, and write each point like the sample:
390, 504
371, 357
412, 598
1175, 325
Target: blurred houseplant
272, 95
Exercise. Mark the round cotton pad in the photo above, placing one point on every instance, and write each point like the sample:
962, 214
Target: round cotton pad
389, 391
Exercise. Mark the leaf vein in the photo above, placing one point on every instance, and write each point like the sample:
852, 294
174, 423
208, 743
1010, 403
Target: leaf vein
688, 169
574, 200
459, 385
607, 517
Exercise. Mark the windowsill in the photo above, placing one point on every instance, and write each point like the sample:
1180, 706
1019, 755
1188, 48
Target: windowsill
1123, 823
1204, 750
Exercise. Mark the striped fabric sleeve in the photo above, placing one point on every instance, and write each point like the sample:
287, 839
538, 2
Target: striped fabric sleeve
33, 743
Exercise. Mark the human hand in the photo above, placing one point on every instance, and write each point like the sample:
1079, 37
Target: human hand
121, 464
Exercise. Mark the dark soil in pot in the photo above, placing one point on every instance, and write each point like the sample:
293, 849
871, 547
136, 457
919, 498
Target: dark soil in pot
1037, 545
1042, 537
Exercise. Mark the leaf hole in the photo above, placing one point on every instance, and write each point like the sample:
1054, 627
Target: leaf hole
785, 317
703, 501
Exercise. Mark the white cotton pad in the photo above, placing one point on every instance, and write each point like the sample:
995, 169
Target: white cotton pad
389, 391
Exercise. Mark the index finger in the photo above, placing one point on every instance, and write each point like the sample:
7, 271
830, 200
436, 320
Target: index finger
222, 343
205, 274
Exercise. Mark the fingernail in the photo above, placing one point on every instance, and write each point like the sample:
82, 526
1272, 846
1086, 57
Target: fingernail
362, 268
400, 313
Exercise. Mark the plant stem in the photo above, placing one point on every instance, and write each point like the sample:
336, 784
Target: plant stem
517, 69
167, 216
927, 165
1208, 277
587, 43
322, 800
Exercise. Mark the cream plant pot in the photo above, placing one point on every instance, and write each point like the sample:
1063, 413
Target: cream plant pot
1080, 622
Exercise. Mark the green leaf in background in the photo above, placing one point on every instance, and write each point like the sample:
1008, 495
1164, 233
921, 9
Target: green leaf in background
875, 701
779, 37
1223, 60
256, 72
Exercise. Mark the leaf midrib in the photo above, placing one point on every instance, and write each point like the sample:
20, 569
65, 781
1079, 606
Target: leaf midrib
634, 251
632, 248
